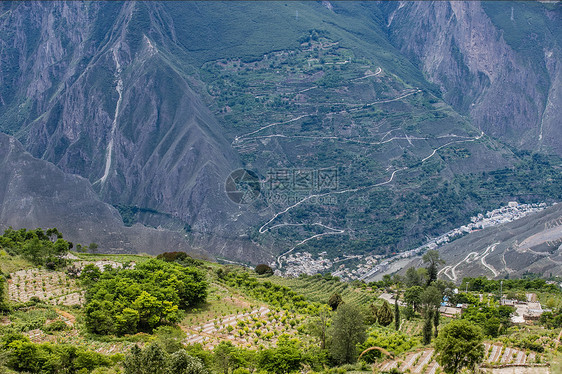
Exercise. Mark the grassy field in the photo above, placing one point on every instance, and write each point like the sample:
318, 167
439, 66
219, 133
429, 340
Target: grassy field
137, 258
10, 264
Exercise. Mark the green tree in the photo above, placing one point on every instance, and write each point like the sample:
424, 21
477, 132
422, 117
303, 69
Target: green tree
61, 247
428, 327
262, 269
412, 296
431, 297
3, 295
436, 316
127, 321
286, 357
335, 300
33, 251
459, 345
132, 361
409, 312
90, 274
53, 234
320, 323
182, 363
397, 312
227, 357
412, 278
93, 247
384, 314
348, 329
433, 260
387, 280
170, 338
154, 360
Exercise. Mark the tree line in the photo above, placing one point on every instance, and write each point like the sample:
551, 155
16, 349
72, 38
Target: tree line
40, 247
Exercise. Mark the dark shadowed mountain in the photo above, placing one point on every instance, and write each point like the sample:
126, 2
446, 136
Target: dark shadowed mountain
35, 193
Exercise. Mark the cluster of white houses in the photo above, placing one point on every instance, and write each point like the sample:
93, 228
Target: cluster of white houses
525, 311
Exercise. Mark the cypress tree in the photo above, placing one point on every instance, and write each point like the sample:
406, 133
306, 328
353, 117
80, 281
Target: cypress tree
428, 327
384, 314
436, 321
397, 313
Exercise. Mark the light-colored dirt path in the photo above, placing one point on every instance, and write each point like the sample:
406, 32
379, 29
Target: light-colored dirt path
70, 320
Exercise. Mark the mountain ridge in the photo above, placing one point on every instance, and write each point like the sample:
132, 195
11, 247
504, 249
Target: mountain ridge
150, 101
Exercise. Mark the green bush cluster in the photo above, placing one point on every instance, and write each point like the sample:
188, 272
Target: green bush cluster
24, 356
263, 269
552, 320
482, 284
28, 316
40, 247
494, 320
126, 301
153, 359
290, 355
395, 342
179, 257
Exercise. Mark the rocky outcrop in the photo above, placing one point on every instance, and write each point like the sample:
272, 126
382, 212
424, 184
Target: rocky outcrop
486, 71
107, 103
35, 193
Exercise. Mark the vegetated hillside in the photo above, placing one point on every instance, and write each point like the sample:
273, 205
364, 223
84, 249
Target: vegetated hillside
529, 245
135, 313
35, 193
156, 103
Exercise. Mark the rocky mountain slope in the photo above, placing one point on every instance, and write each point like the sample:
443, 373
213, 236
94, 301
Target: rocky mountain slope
498, 63
155, 104
35, 193
530, 245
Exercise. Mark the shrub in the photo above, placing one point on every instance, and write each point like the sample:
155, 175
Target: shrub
262, 269
57, 325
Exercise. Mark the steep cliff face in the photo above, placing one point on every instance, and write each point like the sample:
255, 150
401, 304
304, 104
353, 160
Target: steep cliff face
107, 101
35, 193
496, 63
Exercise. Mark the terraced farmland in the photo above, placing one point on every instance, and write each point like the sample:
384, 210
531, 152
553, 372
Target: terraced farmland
317, 289
55, 287
257, 327
496, 355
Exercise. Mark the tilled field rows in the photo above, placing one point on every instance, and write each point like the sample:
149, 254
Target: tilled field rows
423, 361
54, 287
266, 325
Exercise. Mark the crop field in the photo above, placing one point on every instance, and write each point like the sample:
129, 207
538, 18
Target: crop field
54, 287
319, 290
423, 361
411, 327
232, 315
250, 329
